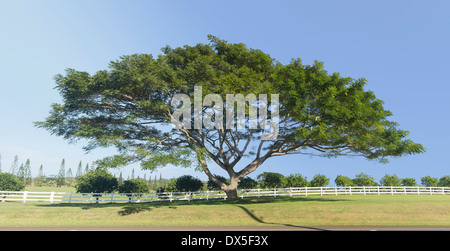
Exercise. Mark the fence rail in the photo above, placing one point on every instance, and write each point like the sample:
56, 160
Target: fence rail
32, 196
207, 195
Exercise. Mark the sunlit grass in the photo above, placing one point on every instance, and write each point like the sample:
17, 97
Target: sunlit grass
301, 211
50, 189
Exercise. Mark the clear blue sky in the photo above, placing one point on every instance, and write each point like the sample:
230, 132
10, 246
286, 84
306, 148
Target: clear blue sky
400, 47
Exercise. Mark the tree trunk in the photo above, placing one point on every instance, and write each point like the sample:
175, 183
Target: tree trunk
231, 194
231, 190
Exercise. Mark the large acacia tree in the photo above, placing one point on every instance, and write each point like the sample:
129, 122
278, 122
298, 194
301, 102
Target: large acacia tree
129, 106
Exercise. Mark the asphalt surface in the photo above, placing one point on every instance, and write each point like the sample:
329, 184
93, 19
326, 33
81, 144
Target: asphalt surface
231, 228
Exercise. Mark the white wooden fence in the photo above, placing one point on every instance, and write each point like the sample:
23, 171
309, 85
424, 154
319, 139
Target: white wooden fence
51, 197
32, 196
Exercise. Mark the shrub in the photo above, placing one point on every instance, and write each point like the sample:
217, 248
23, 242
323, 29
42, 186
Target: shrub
428, 181
184, 183
134, 186
363, 179
171, 186
319, 180
247, 183
390, 180
343, 181
97, 181
409, 182
444, 181
296, 180
271, 180
9, 182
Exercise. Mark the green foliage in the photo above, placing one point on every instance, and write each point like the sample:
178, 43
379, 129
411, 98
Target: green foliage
271, 180
211, 185
247, 183
184, 183
296, 180
97, 181
343, 181
171, 186
319, 180
390, 180
363, 179
61, 179
9, 182
444, 181
409, 182
24, 173
428, 181
129, 107
134, 186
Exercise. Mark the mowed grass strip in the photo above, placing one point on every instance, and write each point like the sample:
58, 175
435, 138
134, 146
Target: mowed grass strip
301, 211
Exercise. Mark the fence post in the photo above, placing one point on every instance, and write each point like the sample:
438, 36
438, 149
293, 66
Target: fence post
25, 196
245, 193
52, 195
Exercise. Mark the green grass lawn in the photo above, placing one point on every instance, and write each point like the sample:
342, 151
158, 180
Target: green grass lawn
51, 189
301, 211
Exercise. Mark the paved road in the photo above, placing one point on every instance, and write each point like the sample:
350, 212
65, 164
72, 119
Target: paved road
232, 228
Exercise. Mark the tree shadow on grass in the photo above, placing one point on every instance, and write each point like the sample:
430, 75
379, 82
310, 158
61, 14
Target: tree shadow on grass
254, 217
133, 210
125, 209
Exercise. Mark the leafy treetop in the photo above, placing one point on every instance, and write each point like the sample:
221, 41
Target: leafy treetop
129, 107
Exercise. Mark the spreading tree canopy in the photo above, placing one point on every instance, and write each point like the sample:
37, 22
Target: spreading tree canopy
129, 106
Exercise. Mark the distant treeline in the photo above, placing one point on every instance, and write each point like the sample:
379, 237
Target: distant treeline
264, 180
65, 176
277, 180
270, 180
